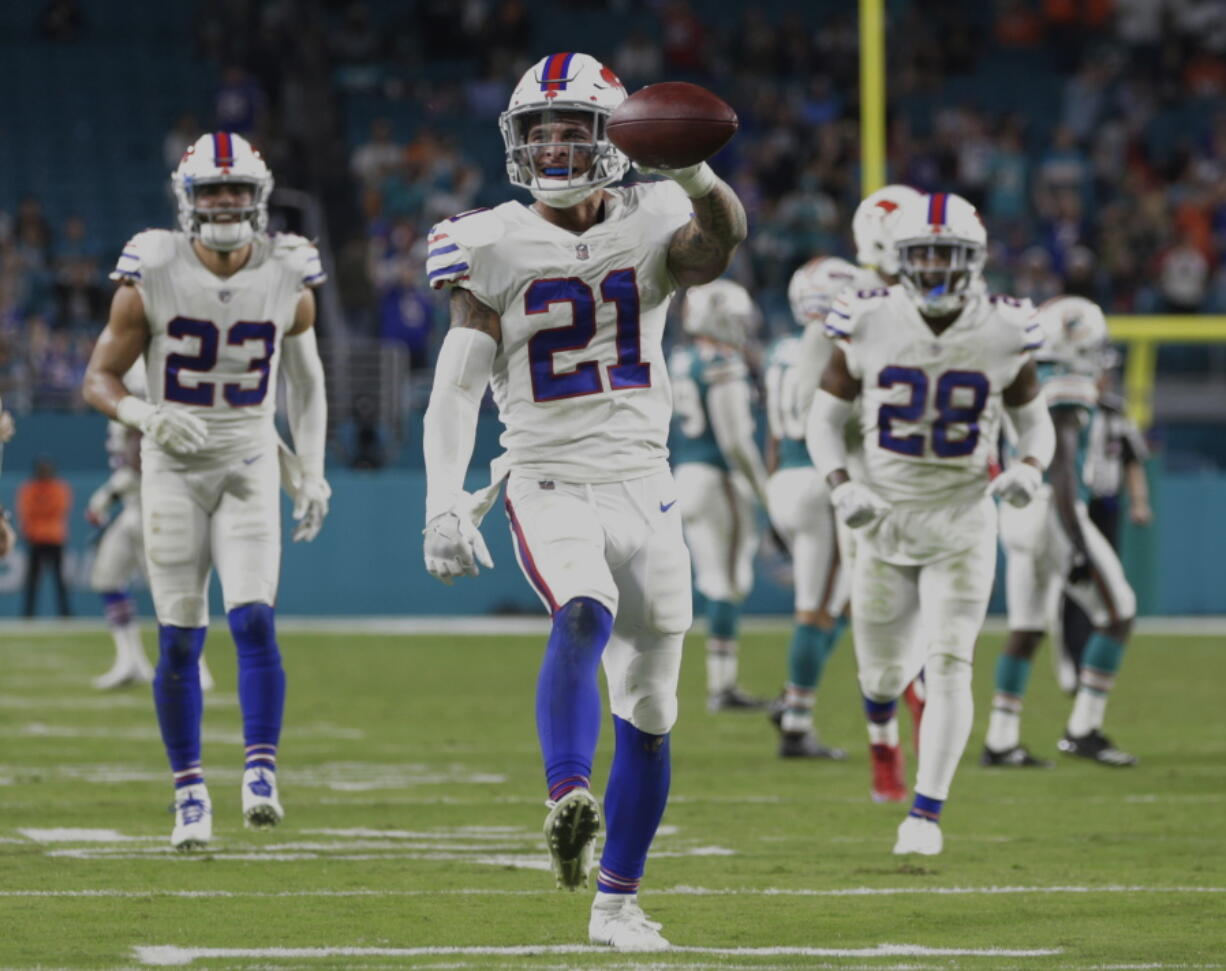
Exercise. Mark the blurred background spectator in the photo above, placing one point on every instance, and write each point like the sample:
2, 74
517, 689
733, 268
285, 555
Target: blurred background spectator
43, 504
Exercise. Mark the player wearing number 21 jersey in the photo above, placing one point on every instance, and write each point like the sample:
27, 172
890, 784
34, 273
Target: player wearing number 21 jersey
560, 306
927, 366
217, 310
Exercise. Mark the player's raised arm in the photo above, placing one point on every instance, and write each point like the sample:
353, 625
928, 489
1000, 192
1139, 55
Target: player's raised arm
702, 249
453, 545
307, 401
122, 341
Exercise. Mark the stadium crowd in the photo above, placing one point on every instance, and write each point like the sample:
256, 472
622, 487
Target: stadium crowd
1106, 180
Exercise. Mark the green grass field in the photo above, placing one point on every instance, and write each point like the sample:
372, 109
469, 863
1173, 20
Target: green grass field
414, 799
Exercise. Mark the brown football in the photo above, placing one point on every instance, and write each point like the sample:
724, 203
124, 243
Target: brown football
671, 125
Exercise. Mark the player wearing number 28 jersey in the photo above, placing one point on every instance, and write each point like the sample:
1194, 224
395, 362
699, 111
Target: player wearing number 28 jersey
927, 365
560, 305
217, 309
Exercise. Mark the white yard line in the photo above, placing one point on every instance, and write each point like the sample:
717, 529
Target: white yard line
162, 955
1207, 625
665, 892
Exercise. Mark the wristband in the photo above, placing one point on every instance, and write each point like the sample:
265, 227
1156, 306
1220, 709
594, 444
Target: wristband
133, 411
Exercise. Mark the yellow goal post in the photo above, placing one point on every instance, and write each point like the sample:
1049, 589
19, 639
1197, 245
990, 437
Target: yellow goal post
1140, 335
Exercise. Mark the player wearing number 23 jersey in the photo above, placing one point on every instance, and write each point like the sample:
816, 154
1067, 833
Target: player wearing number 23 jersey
560, 306
927, 366
217, 310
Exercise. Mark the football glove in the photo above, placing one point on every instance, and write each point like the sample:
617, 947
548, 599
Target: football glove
857, 505
176, 430
310, 507
1017, 484
453, 547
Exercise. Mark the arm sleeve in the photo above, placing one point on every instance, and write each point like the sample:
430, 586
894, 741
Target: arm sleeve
1133, 442
733, 427
307, 400
465, 363
1036, 435
814, 353
828, 417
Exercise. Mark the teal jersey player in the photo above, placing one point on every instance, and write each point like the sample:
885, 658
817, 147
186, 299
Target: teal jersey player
694, 370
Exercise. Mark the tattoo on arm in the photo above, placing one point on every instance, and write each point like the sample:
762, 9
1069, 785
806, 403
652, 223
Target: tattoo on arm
701, 250
468, 311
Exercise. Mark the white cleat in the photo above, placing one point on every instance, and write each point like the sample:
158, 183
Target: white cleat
206, 676
917, 835
570, 833
121, 675
261, 805
621, 924
193, 818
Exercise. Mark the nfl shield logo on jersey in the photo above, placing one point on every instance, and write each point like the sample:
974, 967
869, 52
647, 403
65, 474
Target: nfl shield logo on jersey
581, 251
225, 295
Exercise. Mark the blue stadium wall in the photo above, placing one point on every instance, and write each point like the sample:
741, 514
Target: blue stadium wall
368, 558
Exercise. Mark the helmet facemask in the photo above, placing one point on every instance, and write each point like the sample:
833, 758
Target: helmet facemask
562, 153
938, 274
223, 228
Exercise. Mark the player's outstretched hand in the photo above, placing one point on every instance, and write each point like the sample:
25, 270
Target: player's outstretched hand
310, 507
453, 547
175, 429
857, 505
1017, 484
695, 180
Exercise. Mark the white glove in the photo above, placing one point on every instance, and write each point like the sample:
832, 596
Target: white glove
857, 505
1017, 484
174, 429
453, 547
695, 180
310, 507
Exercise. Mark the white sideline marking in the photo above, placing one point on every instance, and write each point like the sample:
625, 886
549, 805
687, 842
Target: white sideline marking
336, 776
164, 955
666, 892
523, 861
151, 733
79, 836
12, 628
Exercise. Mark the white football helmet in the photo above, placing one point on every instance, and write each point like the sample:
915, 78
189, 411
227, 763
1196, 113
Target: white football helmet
558, 88
1075, 336
814, 286
942, 245
721, 310
872, 224
222, 157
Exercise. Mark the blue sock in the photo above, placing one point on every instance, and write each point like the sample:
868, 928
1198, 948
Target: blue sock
119, 608
723, 619
633, 806
880, 712
176, 696
261, 681
568, 694
926, 808
807, 655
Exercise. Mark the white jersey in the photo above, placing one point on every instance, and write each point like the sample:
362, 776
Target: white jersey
580, 378
214, 341
930, 407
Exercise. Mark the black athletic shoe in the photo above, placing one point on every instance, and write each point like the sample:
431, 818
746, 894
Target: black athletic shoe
1017, 757
806, 745
734, 699
1095, 745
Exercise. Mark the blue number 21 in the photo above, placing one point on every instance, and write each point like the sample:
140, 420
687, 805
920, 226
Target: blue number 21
944, 445
619, 288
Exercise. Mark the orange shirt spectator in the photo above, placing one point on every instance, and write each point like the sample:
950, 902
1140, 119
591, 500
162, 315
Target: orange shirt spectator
43, 504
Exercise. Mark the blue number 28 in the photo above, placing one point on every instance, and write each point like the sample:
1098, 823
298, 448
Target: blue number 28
944, 444
620, 288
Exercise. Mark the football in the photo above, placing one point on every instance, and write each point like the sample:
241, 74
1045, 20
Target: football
671, 125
